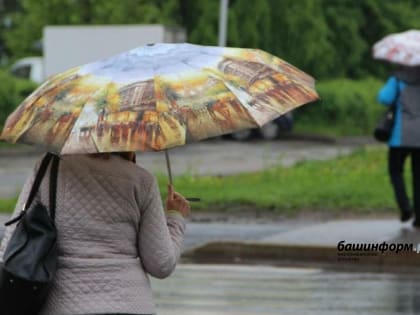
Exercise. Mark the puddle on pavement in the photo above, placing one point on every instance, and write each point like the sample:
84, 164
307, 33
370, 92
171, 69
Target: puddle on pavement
250, 290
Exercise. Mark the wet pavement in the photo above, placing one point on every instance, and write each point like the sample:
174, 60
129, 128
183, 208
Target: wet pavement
262, 290
214, 157
330, 233
265, 290
201, 233
376, 245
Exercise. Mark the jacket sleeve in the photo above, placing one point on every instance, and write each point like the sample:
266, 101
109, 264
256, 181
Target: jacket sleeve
389, 92
160, 235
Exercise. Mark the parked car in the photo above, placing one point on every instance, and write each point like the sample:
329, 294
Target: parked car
30, 68
269, 131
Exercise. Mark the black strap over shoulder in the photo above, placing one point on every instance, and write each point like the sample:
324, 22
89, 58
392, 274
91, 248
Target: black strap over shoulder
37, 183
38, 179
53, 186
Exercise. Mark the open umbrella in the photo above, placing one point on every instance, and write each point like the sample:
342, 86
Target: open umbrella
157, 97
401, 48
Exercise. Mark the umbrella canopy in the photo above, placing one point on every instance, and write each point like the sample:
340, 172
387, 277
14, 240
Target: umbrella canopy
401, 48
156, 97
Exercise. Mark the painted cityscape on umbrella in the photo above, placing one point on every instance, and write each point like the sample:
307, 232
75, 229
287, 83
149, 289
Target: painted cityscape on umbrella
93, 109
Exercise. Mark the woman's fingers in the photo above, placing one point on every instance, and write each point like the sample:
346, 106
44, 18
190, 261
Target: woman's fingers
176, 201
177, 196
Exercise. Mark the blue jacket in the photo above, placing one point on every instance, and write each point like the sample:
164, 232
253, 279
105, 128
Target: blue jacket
390, 93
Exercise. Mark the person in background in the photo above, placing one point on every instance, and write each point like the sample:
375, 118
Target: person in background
112, 233
403, 90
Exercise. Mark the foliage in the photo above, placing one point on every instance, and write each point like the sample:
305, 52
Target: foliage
7, 205
299, 35
204, 21
12, 92
347, 18
7, 95
327, 38
347, 107
35, 14
256, 26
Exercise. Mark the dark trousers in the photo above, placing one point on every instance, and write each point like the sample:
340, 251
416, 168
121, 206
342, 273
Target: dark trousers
396, 161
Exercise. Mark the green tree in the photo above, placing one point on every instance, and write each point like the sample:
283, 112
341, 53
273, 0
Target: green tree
344, 20
250, 23
131, 12
7, 8
204, 21
300, 35
326, 38
35, 14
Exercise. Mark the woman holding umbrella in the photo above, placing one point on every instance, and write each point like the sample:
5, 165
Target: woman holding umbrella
402, 90
113, 232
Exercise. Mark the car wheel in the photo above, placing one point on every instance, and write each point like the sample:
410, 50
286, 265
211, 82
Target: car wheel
270, 131
242, 135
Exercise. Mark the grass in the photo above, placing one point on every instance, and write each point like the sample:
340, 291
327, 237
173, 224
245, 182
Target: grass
16, 146
357, 183
6, 145
323, 129
354, 184
7, 205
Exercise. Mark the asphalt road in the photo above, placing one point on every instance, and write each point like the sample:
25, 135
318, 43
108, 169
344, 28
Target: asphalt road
214, 157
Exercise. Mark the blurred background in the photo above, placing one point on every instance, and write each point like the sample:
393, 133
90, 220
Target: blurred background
330, 39
312, 178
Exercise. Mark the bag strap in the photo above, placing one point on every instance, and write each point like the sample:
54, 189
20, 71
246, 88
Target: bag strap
38, 179
53, 186
35, 186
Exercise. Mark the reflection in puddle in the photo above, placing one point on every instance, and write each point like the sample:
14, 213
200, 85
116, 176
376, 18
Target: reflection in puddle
250, 290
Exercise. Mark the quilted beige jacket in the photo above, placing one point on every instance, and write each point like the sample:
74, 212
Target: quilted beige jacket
113, 233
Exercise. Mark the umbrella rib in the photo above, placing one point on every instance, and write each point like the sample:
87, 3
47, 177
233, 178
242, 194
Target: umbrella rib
66, 139
236, 97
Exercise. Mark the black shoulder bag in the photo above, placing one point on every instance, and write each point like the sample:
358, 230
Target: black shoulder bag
384, 126
30, 259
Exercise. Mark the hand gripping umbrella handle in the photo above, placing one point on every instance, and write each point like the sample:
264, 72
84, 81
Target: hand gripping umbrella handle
168, 166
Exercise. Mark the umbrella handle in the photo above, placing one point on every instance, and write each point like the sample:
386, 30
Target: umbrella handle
168, 166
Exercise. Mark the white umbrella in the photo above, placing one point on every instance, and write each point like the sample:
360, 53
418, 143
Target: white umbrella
401, 48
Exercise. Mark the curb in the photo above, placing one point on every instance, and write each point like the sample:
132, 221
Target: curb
302, 255
21, 150
309, 137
